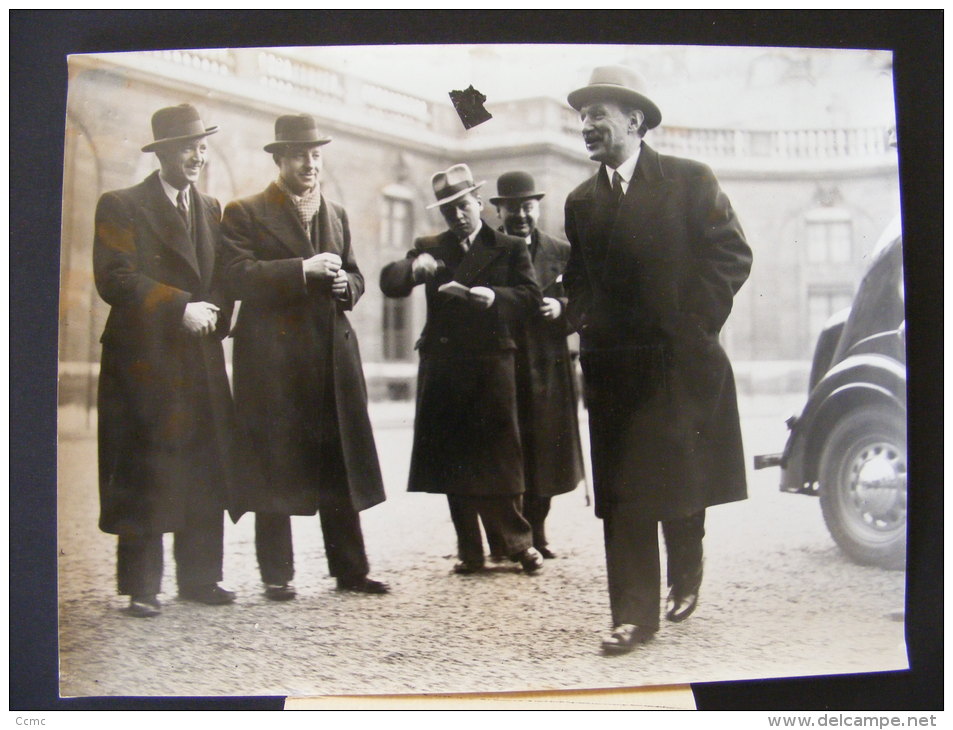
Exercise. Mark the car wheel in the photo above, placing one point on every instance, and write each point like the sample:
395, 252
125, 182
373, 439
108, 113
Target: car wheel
863, 476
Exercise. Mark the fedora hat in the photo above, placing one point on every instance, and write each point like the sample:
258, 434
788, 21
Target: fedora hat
515, 186
452, 183
177, 124
617, 83
295, 129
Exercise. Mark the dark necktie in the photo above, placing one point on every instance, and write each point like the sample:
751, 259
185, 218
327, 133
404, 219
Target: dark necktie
617, 192
183, 207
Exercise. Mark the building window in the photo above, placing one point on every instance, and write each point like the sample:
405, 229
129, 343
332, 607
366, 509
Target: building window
397, 227
829, 236
822, 302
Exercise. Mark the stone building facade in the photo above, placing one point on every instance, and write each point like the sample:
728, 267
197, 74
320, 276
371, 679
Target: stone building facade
812, 201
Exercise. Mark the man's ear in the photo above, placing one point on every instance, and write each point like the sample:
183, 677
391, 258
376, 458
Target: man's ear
636, 118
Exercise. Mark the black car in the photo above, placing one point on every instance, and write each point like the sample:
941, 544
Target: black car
849, 444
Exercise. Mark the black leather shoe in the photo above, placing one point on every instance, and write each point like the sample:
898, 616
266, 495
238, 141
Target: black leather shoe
530, 559
467, 568
283, 592
625, 637
144, 606
546, 552
211, 594
363, 585
680, 607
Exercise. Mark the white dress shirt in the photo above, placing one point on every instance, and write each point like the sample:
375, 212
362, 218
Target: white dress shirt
173, 194
626, 170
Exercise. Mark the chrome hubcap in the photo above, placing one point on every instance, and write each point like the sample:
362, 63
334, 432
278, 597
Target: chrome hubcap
877, 486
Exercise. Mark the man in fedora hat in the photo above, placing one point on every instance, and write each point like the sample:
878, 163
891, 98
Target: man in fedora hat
165, 410
657, 257
299, 386
479, 283
545, 382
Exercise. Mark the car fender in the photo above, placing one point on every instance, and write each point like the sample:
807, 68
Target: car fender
857, 380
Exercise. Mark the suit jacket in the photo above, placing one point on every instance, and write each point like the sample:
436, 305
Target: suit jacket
299, 384
466, 434
546, 382
165, 409
650, 285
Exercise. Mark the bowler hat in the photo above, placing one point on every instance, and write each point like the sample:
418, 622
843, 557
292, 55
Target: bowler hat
296, 129
617, 83
452, 183
177, 124
515, 186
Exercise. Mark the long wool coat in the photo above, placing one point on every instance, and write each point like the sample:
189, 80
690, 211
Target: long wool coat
165, 411
546, 385
299, 385
650, 285
466, 432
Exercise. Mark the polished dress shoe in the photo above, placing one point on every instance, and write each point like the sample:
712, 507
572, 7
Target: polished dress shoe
210, 594
144, 606
546, 552
625, 637
362, 585
530, 559
465, 567
283, 592
681, 605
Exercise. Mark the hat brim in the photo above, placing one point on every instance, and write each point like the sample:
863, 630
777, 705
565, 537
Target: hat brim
526, 196
276, 146
458, 194
595, 92
152, 146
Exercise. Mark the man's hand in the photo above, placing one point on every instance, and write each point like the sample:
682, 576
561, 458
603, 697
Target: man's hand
551, 308
424, 267
322, 266
339, 285
482, 296
200, 318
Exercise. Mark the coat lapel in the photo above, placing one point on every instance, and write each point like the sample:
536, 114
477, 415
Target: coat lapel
166, 223
483, 251
547, 265
330, 231
281, 219
204, 240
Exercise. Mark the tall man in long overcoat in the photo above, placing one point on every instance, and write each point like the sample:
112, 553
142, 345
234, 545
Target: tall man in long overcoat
165, 411
545, 381
657, 257
479, 283
300, 393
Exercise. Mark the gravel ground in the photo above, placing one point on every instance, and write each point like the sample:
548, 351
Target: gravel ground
779, 599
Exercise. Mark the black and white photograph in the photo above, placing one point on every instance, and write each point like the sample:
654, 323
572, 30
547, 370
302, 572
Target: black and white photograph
479, 368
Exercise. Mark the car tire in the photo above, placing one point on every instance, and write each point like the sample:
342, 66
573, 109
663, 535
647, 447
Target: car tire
863, 478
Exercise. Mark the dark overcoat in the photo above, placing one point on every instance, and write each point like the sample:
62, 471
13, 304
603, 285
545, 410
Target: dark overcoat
165, 411
546, 384
466, 431
650, 284
299, 384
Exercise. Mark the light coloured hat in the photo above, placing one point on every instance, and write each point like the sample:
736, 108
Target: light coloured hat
452, 183
617, 83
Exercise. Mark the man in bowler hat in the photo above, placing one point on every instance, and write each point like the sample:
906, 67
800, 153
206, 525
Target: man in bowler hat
657, 257
300, 393
165, 411
545, 381
479, 283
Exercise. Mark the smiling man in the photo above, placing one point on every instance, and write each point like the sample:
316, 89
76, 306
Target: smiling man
165, 412
479, 284
300, 393
657, 257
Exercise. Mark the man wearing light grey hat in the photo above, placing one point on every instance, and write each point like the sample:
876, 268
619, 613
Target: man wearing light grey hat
657, 257
479, 283
300, 393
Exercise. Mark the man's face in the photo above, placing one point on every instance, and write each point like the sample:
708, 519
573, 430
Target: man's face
182, 163
299, 167
610, 133
463, 215
519, 216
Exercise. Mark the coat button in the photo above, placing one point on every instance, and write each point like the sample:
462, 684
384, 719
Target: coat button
444, 340
347, 334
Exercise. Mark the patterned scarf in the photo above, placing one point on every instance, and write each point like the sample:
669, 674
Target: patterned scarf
306, 205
